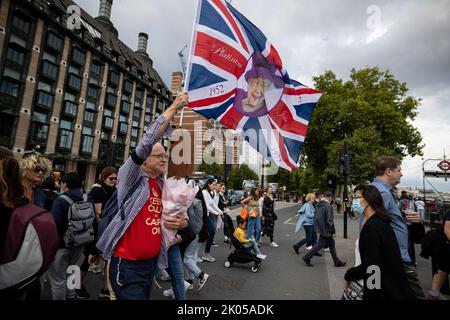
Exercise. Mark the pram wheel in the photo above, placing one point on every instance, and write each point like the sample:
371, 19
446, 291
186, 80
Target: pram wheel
254, 269
227, 264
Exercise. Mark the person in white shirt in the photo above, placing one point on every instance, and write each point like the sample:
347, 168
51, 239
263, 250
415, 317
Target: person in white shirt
420, 206
211, 200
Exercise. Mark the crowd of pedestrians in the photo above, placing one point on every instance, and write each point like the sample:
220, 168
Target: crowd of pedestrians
129, 248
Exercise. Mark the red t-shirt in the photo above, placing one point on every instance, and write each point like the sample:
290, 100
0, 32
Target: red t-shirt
142, 240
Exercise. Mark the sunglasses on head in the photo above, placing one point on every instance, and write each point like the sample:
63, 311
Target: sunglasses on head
39, 169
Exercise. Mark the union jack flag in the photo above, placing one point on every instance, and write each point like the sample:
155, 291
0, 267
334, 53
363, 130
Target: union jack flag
236, 76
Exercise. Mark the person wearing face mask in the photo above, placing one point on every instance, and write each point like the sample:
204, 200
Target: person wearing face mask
388, 174
378, 248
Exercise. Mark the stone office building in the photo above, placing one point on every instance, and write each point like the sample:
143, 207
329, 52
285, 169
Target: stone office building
70, 89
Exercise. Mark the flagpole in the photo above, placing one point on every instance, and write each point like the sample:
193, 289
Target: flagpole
191, 53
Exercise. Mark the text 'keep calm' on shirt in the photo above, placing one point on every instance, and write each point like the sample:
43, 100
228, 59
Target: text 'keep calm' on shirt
142, 240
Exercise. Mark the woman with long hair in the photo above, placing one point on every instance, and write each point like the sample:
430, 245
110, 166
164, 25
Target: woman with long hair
306, 220
268, 215
379, 250
254, 214
11, 197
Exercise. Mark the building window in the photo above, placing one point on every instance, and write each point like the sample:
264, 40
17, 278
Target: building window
92, 92
87, 131
19, 41
137, 115
75, 70
147, 119
74, 82
125, 107
13, 74
65, 138
96, 70
111, 90
49, 57
128, 86
105, 135
137, 105
91, 106
9, 88
134, 132
111, 100
49, 69
21, 24
123, 128
43, 86
54, 41
70, 109
45, 99
7, 126
88, 141
40, 117
108, 122
70, 97
38, 134
78, 56
16, 56
139, 95
89, 116
114, 78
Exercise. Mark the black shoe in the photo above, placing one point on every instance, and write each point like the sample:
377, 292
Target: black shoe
308, 262
82, 293
295, 249
340, 264
318, 254
104, 294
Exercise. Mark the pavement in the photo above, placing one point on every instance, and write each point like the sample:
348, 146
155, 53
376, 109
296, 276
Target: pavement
282, 276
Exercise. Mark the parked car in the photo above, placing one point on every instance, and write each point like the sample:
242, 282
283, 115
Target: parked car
236, 197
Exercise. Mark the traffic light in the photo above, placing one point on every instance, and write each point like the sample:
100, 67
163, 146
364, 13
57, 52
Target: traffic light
344, 162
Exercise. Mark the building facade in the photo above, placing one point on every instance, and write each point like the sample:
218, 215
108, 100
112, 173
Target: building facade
70, 89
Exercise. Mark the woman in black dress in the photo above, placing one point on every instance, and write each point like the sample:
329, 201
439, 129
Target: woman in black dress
269, 215
381, 264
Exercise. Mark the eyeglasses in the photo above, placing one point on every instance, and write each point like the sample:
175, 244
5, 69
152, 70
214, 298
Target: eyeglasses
112, 178
160, 156
39, 169
358, 197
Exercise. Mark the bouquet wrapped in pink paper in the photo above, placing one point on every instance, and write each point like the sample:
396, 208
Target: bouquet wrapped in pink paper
177, 197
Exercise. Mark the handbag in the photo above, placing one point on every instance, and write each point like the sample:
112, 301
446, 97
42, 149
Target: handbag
275, 217
244, 213
354, 292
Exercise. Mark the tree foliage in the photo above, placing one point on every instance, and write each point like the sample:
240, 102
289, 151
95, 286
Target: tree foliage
372, 112
235, 175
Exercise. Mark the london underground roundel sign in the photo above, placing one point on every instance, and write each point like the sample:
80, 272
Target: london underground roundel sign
444, 165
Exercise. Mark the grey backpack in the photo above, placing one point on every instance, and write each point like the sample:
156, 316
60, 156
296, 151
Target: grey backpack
81, 216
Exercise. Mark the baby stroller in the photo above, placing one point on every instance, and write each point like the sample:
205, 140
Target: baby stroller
228, 226
242, 254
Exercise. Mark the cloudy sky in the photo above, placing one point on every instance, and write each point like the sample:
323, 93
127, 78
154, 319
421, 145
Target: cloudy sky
411, 38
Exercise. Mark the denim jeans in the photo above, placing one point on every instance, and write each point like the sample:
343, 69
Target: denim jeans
254, 226
309, 238
212, 223
176, 271
132, 280
252, 245
190, 259
421, 213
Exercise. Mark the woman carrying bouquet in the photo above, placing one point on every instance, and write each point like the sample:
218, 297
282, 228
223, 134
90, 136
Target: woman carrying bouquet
135, 244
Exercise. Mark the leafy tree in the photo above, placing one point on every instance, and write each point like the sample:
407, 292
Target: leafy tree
372, 112
238, 174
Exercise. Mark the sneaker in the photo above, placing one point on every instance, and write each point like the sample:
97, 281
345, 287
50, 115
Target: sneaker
199, 260
187, 285
82, 293
295, 249
202, 281
274, 244
104, 294
226, 239
165, 276
169, 293
208, 257
214, 244
95, 268
434, 297
261, 256
326, 249
309, 248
